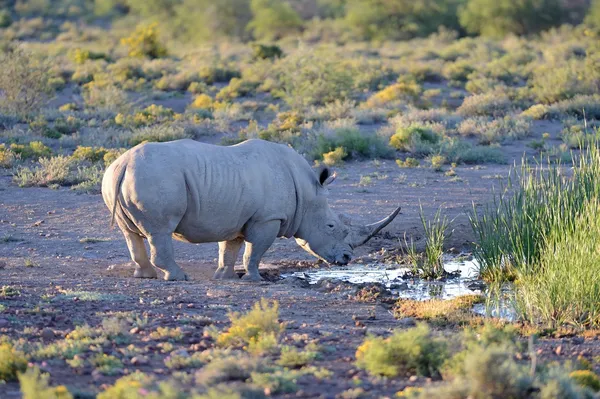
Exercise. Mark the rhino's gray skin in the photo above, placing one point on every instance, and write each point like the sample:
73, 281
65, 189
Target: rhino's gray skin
251, 192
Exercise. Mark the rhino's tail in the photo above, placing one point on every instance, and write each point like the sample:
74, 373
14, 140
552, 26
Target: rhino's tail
117, 188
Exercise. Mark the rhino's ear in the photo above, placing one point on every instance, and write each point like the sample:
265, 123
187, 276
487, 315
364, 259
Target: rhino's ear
326, 175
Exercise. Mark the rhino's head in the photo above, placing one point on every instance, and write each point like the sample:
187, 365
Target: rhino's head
329, 236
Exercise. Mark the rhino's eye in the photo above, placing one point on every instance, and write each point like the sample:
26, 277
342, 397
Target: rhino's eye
330, 225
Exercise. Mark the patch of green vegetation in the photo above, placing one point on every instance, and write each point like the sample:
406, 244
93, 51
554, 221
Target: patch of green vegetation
439, 312
261, 320
414, 350
88, 296
12, 362
34, 385
293, 358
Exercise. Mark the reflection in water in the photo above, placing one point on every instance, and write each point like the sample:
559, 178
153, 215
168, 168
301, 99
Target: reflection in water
463, 282
395, 281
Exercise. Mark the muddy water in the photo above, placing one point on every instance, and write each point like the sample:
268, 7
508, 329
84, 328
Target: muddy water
463, 282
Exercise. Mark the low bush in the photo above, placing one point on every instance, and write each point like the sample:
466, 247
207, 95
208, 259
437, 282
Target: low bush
499, 18
35, 149
24, 83
144, 42
488, 104
415, 138
261, 320
273, 19
12, 362
414, 351
34, 385
159, 133
353, 143
402, 92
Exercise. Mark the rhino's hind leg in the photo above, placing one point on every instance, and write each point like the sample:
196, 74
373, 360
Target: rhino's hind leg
259, 237
228, 254
163, 257
137, 250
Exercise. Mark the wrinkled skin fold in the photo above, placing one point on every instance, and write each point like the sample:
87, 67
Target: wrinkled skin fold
249, 193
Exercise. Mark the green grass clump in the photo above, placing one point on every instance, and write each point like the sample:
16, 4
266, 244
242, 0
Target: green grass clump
438, 311
159, 133
335, 157
294, 358
542, 232
90, 153
586, 378
12, 362
35, 149
429, 265
34, 385
353, 142
415, 138
261, 320
107, 364
565, 289
409, 351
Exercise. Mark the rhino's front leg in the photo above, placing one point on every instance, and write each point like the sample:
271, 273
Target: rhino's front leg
228, 253
259, 238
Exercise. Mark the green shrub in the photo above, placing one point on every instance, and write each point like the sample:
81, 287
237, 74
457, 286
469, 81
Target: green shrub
586, 378
273, 19
35, 149
407, 92
244, 329
335, 157
293, 358
107, 364
266, 52
236, 88
34, 385
414, 138
593, 15
399, 19
306, 79
408, 163
12, 362
7, 157
502, 17
89, 153
144, 42
488, 104
218, 74
24, 83
353, 142
409, 351
158, 133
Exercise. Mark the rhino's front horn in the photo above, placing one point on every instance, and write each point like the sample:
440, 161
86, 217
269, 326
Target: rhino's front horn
361, 234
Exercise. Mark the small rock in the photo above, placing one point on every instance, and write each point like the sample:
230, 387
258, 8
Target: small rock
47, 334
4, 323
407, 322
476, 285
413, 378
190, 305
558, 350
134, 330
139, 360
399, 287
577, 340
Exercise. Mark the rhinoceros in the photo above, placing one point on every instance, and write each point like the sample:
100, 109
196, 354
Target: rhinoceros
251, 193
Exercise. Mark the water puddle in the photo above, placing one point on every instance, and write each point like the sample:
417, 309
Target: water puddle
398, 282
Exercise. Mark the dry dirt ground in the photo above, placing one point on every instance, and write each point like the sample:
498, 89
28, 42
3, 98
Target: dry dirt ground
44, 253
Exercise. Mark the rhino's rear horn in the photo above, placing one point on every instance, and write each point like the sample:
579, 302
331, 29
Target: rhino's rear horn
362, 233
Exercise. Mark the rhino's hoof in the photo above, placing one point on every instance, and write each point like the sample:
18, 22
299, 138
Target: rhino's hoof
252, 277
144, 273
181, 276
225, 274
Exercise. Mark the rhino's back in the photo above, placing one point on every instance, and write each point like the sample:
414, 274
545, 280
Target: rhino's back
210, 192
